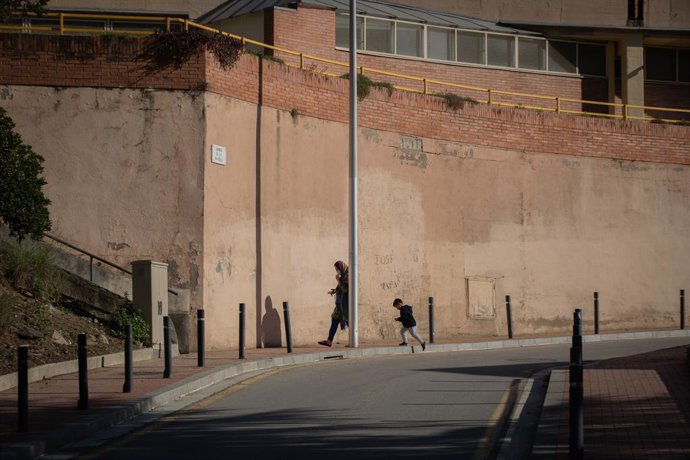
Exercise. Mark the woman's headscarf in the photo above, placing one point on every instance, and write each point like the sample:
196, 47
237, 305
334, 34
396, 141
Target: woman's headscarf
341, 267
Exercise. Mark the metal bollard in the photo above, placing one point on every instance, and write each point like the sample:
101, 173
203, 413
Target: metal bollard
167, 344
241, 331
596, 312
682, 309
576, 391
200, 337
127, 386
288, 331
83, 402
431, 320
23, 388
509, 314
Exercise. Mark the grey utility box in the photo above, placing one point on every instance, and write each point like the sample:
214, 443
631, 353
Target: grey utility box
150, 294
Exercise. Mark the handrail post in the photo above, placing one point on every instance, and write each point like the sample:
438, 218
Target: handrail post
186, 25
301, 60
62, 23
361, 70
167, 23
558, 105
625, 112
426, 89
488, 92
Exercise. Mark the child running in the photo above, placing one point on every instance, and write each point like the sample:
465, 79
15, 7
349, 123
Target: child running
408, 323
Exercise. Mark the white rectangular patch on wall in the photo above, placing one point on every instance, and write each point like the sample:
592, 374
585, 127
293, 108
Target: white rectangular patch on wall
218, 154
481, 301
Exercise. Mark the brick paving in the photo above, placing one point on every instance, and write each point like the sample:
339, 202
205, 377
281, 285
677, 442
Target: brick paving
636, 407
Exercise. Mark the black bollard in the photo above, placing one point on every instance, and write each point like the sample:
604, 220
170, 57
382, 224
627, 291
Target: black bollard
288, 332
682, 309
127, 386
167, 344
241, 331
509, 314
83, 402
596, 312
576, 391
431, 320
200, 337
23, 388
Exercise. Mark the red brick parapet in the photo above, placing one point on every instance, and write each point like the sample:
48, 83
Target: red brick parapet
115, 62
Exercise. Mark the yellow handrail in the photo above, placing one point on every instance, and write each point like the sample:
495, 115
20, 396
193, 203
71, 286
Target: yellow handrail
166, 22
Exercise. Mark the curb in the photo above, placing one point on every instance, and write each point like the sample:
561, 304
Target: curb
105, 418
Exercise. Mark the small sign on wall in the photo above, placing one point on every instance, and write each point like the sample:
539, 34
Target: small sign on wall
218, 154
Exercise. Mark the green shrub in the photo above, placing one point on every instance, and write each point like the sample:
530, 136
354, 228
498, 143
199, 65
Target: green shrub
364, 85
23, 207
30, 266
126, 314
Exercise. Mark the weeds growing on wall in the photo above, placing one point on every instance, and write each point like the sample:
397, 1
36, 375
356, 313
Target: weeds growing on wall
176, 48
126, 314
30, 266
455, 102
364, 85
268, 57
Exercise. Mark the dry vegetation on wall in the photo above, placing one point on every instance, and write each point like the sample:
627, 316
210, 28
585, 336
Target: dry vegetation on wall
176, 48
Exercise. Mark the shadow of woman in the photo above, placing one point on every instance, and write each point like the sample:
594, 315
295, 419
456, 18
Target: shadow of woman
271, 336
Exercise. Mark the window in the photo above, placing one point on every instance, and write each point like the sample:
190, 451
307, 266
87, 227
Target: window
591, 59
532, 54
379, 36
660, 64
501, 50
440, 43
409, 38
471, 47
342, 31
684, 65
562, 57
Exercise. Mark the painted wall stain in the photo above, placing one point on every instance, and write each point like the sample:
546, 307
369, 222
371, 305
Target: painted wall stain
117, 246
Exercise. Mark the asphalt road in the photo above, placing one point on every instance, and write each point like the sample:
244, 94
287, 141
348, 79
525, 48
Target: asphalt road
437, 405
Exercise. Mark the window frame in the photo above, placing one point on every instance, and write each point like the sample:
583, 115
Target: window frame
455, 31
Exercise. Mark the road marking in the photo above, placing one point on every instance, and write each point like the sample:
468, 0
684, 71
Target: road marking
497, 422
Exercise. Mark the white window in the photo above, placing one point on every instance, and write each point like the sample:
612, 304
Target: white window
501, 50
342, 31
531, 53
379, 36
562, 57
409, 40
471, 47
440, 43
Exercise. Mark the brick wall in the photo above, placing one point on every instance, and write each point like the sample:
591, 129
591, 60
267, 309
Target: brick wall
72, 61
312, 31
324, 97
103, 62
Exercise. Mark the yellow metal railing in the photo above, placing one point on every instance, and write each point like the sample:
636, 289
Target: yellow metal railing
484, 95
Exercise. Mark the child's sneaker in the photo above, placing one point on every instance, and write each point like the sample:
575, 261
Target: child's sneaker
326, 343
423, 346
404, 344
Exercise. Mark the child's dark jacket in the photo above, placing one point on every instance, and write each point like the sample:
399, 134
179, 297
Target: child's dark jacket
406, 317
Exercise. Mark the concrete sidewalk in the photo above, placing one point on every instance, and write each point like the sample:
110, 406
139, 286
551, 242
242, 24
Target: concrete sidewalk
54, 421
